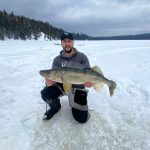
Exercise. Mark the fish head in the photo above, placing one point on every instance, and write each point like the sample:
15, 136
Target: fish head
52, 74
49, 74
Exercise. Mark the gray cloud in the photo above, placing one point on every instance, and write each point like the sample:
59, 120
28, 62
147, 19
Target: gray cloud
93, 17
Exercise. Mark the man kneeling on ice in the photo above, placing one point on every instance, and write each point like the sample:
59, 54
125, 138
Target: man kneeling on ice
54, 90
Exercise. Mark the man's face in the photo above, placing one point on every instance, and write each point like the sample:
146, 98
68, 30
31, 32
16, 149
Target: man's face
67, 45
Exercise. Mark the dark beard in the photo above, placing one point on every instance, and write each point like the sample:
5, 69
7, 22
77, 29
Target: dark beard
68, 51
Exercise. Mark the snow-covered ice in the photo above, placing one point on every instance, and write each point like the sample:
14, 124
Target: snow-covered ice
121, 122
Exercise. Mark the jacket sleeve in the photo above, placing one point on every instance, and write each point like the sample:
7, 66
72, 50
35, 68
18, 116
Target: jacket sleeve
85, 62
55, 63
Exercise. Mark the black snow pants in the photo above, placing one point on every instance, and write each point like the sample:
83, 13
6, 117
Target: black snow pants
52, 94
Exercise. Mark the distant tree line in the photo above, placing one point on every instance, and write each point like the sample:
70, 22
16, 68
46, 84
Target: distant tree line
145, 36
20, 27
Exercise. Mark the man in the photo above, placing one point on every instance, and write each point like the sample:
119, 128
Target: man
53, 91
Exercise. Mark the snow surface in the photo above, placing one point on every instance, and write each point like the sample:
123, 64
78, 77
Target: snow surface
121, 122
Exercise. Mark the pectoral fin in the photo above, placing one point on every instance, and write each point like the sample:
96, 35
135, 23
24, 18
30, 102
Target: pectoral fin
97, 87
67, 87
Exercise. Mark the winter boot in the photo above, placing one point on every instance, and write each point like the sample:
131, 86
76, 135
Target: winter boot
54, 108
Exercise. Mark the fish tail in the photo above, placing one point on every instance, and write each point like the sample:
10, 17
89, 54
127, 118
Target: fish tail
112, 87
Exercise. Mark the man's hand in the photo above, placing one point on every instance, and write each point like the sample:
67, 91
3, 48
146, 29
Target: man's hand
49, 82
88, 84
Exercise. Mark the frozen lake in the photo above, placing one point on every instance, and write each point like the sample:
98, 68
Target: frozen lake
121, 122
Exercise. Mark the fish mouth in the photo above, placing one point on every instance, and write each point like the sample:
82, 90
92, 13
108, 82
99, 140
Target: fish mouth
41, 72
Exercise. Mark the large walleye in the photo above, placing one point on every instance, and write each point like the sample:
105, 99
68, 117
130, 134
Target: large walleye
69, 76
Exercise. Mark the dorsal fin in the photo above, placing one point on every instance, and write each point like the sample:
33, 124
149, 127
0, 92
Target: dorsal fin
97, 69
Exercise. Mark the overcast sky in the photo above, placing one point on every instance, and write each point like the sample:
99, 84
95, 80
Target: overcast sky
93, 17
